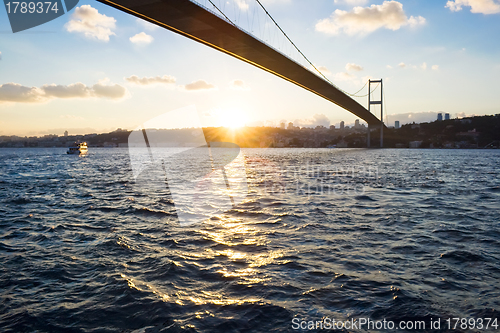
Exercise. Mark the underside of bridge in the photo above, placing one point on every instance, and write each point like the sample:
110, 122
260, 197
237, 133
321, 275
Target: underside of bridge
190, 20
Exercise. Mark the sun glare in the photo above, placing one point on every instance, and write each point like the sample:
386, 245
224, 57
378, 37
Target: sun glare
233, 118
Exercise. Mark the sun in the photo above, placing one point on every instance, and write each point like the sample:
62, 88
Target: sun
233, 118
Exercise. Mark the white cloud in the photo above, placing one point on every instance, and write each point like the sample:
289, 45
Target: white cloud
351, 2
145, 81
423, 66
141, 38
74, 90
476, 6
353, 67
435, 67
170, 81
269, 2
238, 85
199, 85
364, 20
242, 4
464, 115
418, 117
14, 92
316, 120
416, 21
344, 76
88, 21
147, 25
322, 69
114, 91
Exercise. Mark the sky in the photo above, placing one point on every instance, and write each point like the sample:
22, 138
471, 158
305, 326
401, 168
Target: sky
96, 69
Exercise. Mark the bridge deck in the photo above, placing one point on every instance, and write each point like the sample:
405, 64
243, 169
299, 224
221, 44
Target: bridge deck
190, 20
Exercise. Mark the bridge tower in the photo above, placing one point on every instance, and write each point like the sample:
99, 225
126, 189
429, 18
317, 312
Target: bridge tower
380, 102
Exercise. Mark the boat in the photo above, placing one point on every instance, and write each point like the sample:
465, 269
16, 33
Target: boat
78, 148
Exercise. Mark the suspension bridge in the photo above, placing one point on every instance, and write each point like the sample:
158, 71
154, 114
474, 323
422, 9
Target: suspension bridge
207, 23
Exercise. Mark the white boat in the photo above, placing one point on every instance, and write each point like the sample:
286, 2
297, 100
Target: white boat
79, 148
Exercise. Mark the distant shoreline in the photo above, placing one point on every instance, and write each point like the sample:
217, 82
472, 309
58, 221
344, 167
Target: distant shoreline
466, 133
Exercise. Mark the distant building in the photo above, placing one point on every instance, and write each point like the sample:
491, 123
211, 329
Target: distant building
282, 125
396, 124
342, 125
440, 116
66, 134
356, 123
332, 127
446, 116
290, 126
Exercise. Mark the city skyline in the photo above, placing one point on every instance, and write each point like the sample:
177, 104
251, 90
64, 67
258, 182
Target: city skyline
103, 69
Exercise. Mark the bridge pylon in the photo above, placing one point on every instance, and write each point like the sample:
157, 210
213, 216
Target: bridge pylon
380, 102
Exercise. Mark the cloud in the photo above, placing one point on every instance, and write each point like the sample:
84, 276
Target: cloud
141, 38
476, 6
322, 69
351, 2
416, 21
242, 4
353, 67
88, 21
114, 91
464, 115
145, 81
316, 120
364, 20
14, 92
170, 81
417, 117
199, 85
238, 85
74, 90
423, 66
269, 2
146, 25
343, 76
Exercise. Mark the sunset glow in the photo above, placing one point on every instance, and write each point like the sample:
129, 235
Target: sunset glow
233, 118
